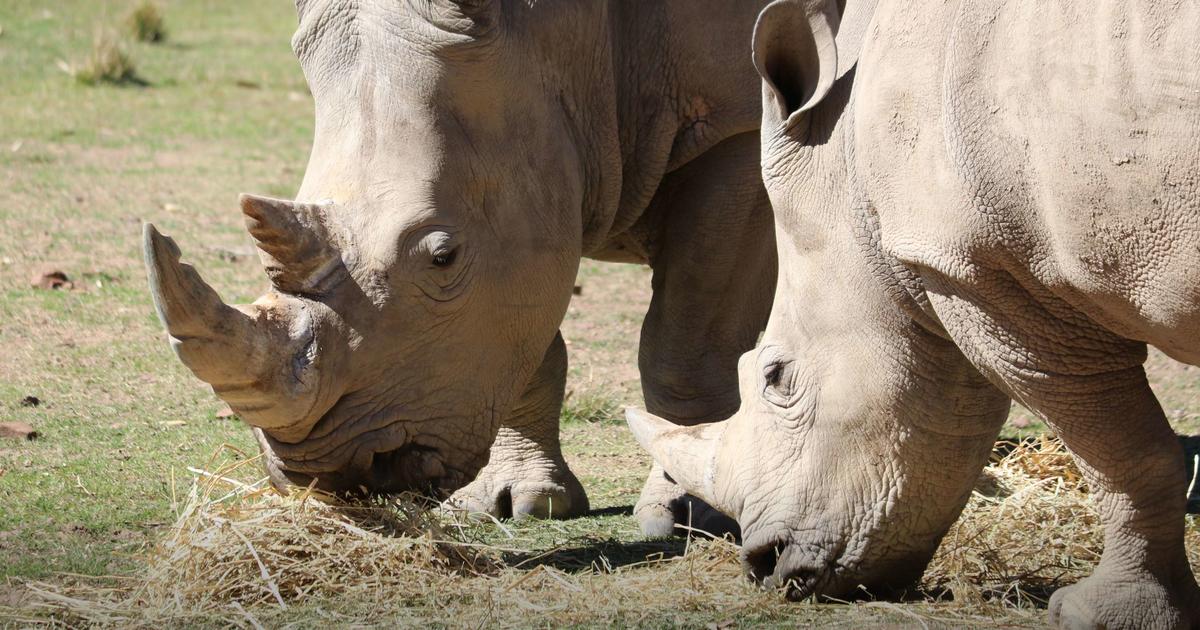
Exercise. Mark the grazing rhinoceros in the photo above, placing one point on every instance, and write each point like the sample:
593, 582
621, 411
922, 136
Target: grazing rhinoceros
467, 153
1000, 200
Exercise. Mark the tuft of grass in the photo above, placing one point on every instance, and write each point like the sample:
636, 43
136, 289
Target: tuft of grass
108, 62
590, 407
145, 22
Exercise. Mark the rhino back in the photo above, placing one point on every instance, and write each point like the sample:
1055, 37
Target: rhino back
1059, 143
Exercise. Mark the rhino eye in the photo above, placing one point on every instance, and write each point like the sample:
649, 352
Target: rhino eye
773, 374
779, 380
445, 259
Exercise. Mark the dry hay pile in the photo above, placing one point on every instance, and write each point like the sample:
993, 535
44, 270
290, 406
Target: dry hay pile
1029, 528
240, 554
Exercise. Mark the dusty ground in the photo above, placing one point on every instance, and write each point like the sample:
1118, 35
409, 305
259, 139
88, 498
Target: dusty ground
225, 111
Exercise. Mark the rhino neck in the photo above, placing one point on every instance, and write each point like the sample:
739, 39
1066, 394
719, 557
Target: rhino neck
675, 80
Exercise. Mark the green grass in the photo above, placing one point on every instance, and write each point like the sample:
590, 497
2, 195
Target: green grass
80, 168
108, 62
590, 407
146, 22
224, 109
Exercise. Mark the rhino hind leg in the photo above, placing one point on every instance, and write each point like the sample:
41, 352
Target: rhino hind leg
526, 475
713, 283
1089, 386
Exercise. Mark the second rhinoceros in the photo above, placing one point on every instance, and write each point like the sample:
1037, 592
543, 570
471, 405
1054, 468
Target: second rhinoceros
1000, 200
467, 154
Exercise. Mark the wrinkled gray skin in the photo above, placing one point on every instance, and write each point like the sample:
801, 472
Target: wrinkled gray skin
1001, 200
467, 154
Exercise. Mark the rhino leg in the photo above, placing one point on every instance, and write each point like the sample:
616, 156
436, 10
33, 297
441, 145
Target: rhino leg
526, 475
1089, 385
713, 283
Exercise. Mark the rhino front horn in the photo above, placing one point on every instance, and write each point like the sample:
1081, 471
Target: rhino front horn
688, 454
294, 241
205, 332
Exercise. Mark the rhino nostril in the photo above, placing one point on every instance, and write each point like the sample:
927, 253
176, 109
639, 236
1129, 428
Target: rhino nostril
784, 565
761, 561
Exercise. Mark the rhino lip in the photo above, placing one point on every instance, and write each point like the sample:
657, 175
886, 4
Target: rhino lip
800, 570
412, 468
409, 468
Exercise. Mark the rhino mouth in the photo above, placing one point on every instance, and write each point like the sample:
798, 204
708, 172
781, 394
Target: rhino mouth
823, 570
411, 468
802, 571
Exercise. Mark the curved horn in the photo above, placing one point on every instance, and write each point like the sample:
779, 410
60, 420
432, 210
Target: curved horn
294, 243
205, 332
688, 454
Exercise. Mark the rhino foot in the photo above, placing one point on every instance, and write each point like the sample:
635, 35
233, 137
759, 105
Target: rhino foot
664, 509
537, 489
1113, 599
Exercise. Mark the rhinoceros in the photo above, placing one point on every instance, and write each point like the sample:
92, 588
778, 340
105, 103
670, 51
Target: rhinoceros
467, 154
986, 201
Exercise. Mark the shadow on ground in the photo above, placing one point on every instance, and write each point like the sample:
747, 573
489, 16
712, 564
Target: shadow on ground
599, 555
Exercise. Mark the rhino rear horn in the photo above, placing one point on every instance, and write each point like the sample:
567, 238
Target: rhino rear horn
294, 241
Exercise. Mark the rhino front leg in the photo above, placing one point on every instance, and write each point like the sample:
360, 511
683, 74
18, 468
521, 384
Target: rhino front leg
1090, 387
526, 474
1133, 462
714, 278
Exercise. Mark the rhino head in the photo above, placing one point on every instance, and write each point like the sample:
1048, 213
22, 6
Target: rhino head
860, 431
424, 268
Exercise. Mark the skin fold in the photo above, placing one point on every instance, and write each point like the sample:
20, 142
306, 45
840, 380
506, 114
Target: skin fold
467, 154
986, 201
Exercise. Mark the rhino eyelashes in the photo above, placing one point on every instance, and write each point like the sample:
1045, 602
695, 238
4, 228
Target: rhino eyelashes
774, 374
446, 259
779, 383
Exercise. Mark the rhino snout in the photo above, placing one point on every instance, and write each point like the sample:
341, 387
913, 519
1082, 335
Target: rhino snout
803, 570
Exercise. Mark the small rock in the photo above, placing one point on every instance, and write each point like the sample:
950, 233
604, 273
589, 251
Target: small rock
51, 279
17, 430
30, 401
226, 414
174, 423
171, 207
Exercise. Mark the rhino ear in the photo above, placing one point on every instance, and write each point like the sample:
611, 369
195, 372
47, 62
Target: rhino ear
795, 53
